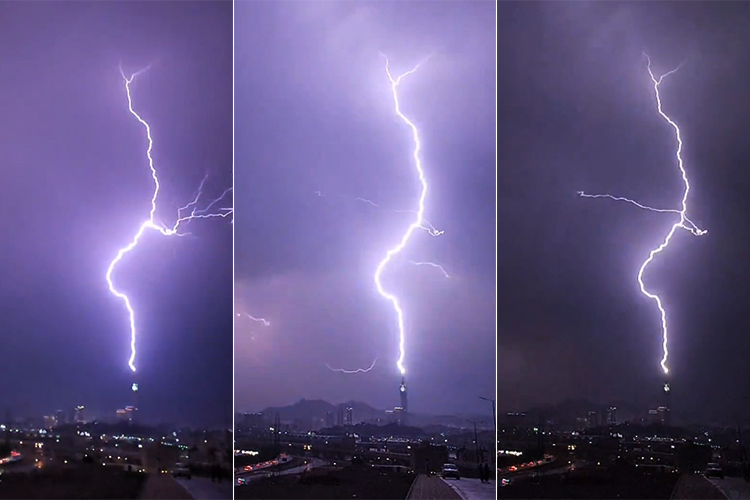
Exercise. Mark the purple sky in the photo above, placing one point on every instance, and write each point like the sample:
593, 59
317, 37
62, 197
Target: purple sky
314, 113
76, 186
577, 112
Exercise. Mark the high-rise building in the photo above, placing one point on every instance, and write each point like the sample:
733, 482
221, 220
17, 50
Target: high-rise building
60, 417
50, 422
663, 413
653, 417
340, 416
329, 419
134, 407
349, 415
78, 415
612, 415
404, 401
122, 415
592, 419
399, 416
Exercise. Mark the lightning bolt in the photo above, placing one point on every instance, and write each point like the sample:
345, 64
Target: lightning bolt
262, 321
350, 372
431, 264
682, 223
150, 223
692, 227
425, 226
418, 222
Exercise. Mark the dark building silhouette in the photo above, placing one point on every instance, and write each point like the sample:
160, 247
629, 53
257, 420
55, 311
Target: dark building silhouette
404, 402
340, 415
612, 415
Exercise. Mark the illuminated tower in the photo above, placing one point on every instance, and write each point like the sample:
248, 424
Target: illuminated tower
664, 411
78, 414
404, 402
134, 390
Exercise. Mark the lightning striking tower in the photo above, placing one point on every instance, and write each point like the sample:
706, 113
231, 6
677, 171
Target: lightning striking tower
682, 223
403, 395
418, 222
150, 223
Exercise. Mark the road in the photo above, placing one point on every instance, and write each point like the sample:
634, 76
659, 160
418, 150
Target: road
734, 488
249, 477
201, 488
472, 489
531, 473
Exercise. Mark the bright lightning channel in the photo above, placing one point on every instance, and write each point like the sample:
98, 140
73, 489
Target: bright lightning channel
418, 223
682, 223
351, 372
425, 226
262, 321
150, 223
431, 264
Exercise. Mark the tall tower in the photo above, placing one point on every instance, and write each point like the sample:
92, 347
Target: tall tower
404, 402
664, 411
277, 434
134, 390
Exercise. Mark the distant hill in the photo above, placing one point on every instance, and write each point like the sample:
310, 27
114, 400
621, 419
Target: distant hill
566, 412
306, 409
317, 408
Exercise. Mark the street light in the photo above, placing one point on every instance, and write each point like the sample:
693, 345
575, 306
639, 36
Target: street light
476, 438
494, 421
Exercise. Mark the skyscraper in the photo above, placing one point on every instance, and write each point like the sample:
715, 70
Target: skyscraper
404, 402
134, 411
349, 415
592, 419
663, 415
340, 415
78, 414
612, 415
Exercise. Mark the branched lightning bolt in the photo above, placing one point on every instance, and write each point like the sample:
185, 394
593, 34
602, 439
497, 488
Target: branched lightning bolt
418, 223
692, 227
262, 321
150, 223
350, 372
682, 223
425, 226
431, 264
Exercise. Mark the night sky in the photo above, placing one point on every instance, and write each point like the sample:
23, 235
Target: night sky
577, 113
314, 114
76, 187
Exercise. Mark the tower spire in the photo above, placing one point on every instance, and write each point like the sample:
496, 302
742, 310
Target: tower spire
404, 401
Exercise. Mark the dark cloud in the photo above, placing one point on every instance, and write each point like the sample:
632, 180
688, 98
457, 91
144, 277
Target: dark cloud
315, 131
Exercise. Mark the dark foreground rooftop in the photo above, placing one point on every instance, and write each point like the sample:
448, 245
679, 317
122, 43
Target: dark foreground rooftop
595, 484
360, 482
82, 482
